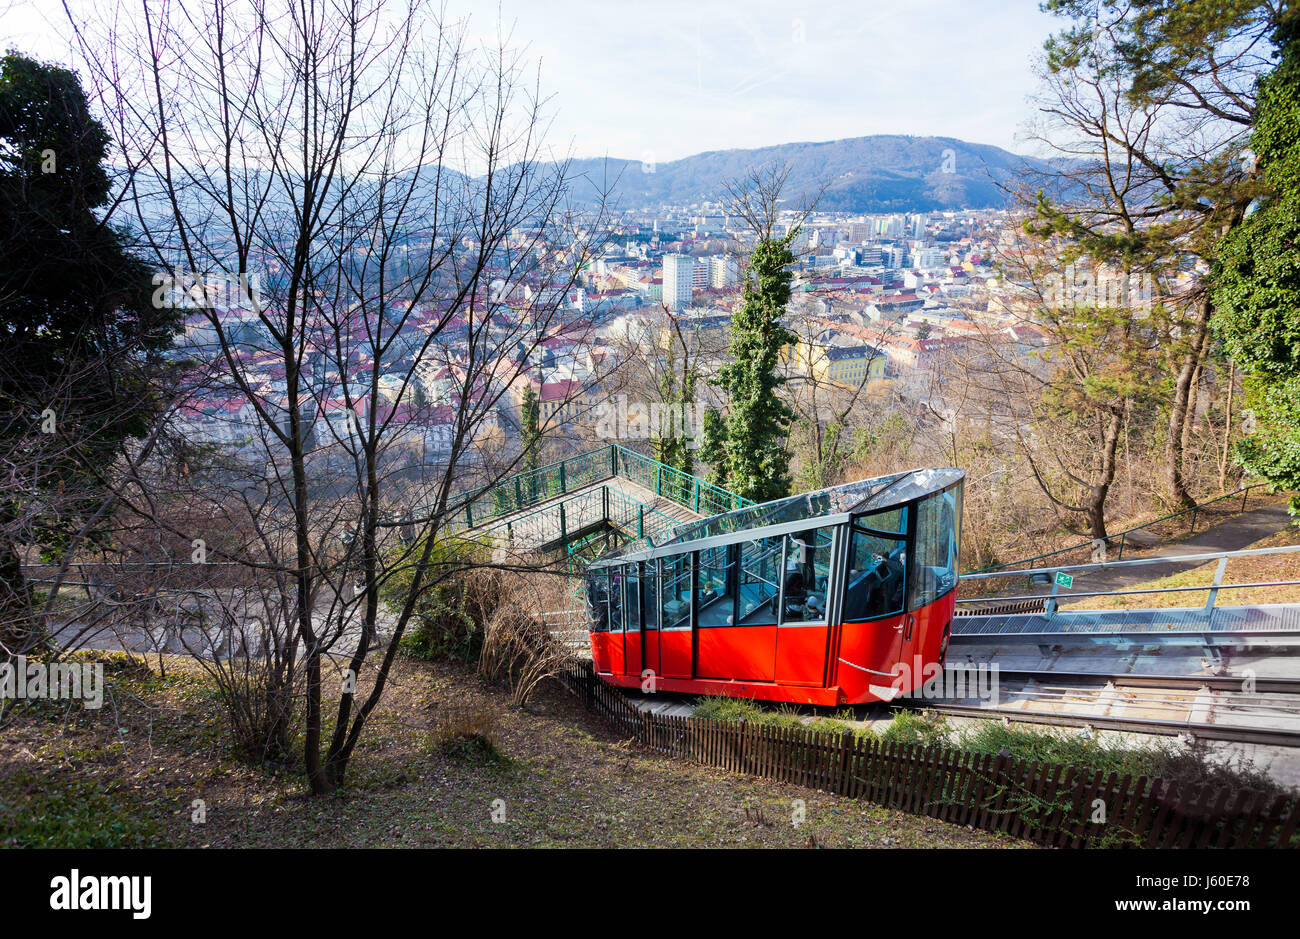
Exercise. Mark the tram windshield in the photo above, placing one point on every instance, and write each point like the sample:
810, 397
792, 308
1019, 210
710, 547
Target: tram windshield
937, 538
877, 572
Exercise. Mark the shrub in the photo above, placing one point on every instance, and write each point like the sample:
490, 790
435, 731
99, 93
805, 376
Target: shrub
467, 734
923, 728
453, 605
519, 651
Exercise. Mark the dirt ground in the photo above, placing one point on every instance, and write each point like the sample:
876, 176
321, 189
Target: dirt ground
154, 767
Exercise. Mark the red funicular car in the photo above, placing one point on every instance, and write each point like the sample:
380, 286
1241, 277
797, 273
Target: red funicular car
834, 597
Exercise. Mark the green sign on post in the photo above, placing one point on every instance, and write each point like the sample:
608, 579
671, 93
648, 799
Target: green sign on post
1064, 580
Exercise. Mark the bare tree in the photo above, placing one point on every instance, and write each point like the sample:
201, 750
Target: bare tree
1067, 400
1152, 116
834, 414
375, 191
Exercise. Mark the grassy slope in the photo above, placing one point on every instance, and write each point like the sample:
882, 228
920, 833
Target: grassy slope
1265, 569
129, 774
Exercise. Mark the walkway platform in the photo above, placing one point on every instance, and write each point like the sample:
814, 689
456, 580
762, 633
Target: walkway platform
617, 503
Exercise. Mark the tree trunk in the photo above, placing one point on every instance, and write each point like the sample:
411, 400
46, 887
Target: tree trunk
1175, 483
15, 603
1096, 504
1227, 429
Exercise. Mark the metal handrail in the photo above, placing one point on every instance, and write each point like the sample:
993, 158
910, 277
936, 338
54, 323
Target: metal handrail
543, 483
681, 487
1123, 593
1244, 492
556, 505
1134, 562
1213, 587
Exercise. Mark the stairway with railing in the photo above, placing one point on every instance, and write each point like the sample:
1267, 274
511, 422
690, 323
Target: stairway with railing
608, 488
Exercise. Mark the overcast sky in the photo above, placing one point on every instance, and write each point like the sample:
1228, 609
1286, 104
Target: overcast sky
665, 79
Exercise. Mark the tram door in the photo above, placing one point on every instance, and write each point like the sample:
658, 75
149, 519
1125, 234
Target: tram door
616, 624
675, 640
650, 618
734, 639
875, 624
632, 647
934, 568
802, 636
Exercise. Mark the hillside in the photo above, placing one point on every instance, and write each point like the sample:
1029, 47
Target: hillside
883, 173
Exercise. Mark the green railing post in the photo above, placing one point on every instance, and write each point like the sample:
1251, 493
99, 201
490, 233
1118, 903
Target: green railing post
613, 459
519, 494
697, 495
640, 521
563, 485
469, 514
659, 490
564, 533
1122, 538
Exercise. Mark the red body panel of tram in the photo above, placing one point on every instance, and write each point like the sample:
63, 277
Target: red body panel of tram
839, 597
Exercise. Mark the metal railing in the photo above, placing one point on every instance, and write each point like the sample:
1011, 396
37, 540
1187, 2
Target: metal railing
703, 498
1194, 511
557, 521
1051, 599
533, 487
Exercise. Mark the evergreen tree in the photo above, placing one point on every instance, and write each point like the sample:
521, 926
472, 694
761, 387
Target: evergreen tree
1257, 281
747, 448
677, 390
80, 339
529, 417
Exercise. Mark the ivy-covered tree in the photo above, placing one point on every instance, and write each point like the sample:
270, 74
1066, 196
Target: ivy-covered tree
673, 446
1257, 281
529, 419
747, 447
80, 339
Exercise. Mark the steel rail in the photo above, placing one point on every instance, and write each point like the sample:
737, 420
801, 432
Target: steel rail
1266, 736
1060, 693
1285, 686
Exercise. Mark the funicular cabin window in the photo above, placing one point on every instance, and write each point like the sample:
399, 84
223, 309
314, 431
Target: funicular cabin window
934, 571
760, 581
677, 592
598, 601
650, 588
877, 566
716, 587
616, 600
632, 599
807, 575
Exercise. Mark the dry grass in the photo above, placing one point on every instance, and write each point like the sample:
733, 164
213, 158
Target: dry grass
1269, 568
420, 778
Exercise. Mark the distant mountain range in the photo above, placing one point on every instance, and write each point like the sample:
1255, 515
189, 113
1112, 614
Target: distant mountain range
882, 173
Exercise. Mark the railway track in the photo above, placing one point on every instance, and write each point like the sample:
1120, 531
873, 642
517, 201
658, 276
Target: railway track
1211, 682
1169, 728
1165, 705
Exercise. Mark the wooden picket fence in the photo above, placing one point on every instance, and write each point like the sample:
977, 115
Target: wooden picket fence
1051, 804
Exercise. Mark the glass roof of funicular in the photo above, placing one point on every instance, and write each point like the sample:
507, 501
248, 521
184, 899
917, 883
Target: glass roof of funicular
793, 513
